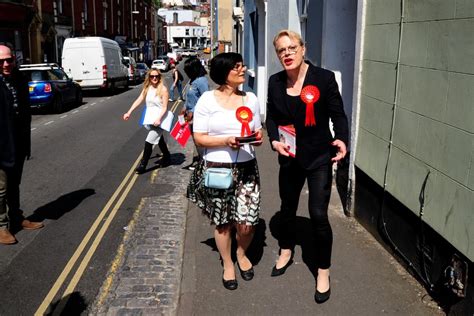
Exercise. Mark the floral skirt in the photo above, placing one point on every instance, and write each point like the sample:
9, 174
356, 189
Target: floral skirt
238, 204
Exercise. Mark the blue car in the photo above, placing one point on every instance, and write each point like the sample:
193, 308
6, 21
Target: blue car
50, 87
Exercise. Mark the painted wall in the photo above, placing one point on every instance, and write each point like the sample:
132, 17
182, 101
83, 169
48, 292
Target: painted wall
338, 44
416, 132
183, 15
226, 22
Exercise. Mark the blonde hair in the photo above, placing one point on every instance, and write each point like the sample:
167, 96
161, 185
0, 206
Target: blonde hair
290, 34
147, 82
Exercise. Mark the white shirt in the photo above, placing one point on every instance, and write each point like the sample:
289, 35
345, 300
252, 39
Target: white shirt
210, 117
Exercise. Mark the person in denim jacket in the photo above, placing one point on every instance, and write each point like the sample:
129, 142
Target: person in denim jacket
198, 85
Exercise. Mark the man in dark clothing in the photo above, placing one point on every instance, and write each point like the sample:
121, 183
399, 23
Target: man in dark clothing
15, 140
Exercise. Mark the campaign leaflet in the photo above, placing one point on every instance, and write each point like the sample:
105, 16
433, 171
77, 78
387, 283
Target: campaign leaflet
288, 136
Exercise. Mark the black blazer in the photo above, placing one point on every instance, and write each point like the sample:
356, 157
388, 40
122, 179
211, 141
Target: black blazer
313, 143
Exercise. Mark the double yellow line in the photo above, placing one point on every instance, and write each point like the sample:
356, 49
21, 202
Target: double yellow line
118, 197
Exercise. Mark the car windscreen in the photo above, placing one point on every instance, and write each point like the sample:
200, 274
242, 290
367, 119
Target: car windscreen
36, 75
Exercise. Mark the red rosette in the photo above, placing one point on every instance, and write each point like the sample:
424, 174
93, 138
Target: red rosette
244, 115
310, 95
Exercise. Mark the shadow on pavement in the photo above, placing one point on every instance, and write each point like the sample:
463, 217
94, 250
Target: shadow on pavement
255, 250
304, 237
60, 206
73, 304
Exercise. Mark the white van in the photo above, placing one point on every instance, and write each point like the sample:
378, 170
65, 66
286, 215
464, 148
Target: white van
95, 63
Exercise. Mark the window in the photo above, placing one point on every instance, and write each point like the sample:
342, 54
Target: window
60, 6
119, 14
85, 11
105, 16
187, 32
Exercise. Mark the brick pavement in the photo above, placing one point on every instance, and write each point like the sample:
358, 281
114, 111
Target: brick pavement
145, 277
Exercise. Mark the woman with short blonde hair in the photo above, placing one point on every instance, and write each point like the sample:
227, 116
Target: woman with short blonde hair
306, 97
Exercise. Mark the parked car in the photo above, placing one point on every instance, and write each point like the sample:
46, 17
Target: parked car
189, 52
142, 70
94, 62
133, 73
50, 87
160, 64
167, 61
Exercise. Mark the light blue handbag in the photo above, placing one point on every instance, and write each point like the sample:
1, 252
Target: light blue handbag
219, 178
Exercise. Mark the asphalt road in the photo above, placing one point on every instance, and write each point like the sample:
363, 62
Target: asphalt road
79, 159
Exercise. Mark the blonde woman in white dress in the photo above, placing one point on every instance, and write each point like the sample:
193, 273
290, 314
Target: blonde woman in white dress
155, 94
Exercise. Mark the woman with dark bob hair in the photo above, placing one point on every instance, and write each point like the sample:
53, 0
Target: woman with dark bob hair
197, 86
220, 117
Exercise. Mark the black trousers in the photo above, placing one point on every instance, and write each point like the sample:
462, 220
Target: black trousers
13, 189
291, 180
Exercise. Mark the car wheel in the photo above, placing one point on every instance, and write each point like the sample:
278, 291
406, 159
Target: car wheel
57, 104
78, 97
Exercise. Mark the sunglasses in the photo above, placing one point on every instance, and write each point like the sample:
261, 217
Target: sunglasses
8, 60
290, 50
154, 76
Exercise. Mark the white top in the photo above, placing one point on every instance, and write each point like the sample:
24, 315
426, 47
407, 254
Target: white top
152, 99
210, 117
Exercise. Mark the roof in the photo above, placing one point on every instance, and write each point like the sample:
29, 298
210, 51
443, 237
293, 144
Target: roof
188, 23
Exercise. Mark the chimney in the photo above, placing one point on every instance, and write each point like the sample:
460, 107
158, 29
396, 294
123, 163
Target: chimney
175, 18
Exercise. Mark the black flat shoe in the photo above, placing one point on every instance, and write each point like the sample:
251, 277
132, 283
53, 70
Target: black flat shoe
277, 272
323, 297
247, 275
230, 284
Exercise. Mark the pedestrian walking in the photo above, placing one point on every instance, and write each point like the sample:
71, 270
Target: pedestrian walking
198, 84
155, 95
177, 83
306, 97
15, 140
220, 116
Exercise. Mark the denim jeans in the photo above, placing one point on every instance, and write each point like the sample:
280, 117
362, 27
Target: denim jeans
179, 85
291, 180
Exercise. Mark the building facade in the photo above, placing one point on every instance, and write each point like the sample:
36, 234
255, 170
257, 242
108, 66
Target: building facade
38, 29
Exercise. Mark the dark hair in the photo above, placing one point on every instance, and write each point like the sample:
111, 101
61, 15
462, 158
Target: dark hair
221, 65
193, 68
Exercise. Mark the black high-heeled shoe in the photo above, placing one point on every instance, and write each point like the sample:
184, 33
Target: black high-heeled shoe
277, 272
247, 275
322, 297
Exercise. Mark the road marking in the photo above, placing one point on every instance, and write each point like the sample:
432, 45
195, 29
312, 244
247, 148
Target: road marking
85, 107
74, 112
108, 98
93, 103
47, 123
129, 178
33, 128
64, 116
102, 100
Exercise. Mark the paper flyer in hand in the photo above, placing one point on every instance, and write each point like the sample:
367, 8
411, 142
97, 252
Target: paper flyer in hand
151, 114
288, 136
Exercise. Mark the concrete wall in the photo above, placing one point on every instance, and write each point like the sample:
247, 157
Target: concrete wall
416, 132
